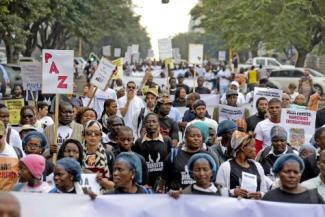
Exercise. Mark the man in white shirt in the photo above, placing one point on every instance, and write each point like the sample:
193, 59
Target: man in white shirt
263, 128
130, 103
12, 136
42, 112
199, 108
100, 98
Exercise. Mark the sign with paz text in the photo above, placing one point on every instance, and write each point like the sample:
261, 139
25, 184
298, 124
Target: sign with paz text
57, 71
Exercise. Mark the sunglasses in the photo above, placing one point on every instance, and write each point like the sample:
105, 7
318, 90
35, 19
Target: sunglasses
93, 133
28, 116
131, 87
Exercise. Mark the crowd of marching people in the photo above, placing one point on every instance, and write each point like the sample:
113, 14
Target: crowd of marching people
135, 139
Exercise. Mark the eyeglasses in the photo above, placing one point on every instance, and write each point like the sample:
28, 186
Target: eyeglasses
93, 133
32, 145
131, 87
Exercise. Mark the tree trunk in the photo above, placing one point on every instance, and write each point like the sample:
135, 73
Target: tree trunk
302, 54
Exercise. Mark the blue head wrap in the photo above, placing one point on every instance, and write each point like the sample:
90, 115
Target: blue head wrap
204, 128
35, 134
206, 157
225, 127
307, 147
282, 160
71, 166
134, 163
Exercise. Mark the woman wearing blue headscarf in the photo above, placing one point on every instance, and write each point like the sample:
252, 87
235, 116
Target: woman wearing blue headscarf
203, 169
127, 175
289, 168
67, 174
35, 142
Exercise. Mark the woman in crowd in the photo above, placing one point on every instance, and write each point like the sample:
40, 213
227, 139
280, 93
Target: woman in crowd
175, 172
17, 91
127, 175
71, 148
85, 114
31, 168
67, 174
110, 109
203, 170
95, 157
180, 97
241, 174
35, 143
28, 116
306, 150
289, 168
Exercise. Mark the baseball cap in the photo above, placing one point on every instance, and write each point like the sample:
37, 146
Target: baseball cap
231, 93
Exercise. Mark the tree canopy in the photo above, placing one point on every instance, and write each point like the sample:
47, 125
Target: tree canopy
51, 24
244, 25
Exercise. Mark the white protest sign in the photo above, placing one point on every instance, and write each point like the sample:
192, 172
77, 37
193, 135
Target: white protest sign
117, 52
57, 71
89, 181
102, 74
268, 93
210, 99
195, 54
135, 48
107, 51
222, 55
31, 74
299, 124
230, 113
165, 48
248, 182
150, 53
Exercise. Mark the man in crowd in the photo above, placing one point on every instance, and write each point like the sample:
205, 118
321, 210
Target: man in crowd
261, 106
199, 108
168, 127
42, 114
130, 103
200, 89
231, 98
263, 128
67, 129
151, 101
181, 78
154, 147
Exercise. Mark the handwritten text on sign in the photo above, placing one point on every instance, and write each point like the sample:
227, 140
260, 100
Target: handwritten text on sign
57, 71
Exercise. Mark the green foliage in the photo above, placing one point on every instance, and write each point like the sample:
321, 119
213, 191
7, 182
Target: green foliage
212, 44
278, 24
52, 24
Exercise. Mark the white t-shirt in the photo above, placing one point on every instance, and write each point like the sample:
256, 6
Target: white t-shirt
9, 151
14, 139
47, 121
135, 105
223, 81
64, 133
99, 99
43, 188
263, 131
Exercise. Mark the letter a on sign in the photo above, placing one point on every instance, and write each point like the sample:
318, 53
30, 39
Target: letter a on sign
57, 71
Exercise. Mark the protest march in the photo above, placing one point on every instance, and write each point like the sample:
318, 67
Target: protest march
185, 137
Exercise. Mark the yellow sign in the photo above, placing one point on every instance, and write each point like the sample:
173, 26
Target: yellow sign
14, 106
9, 168
119, 69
